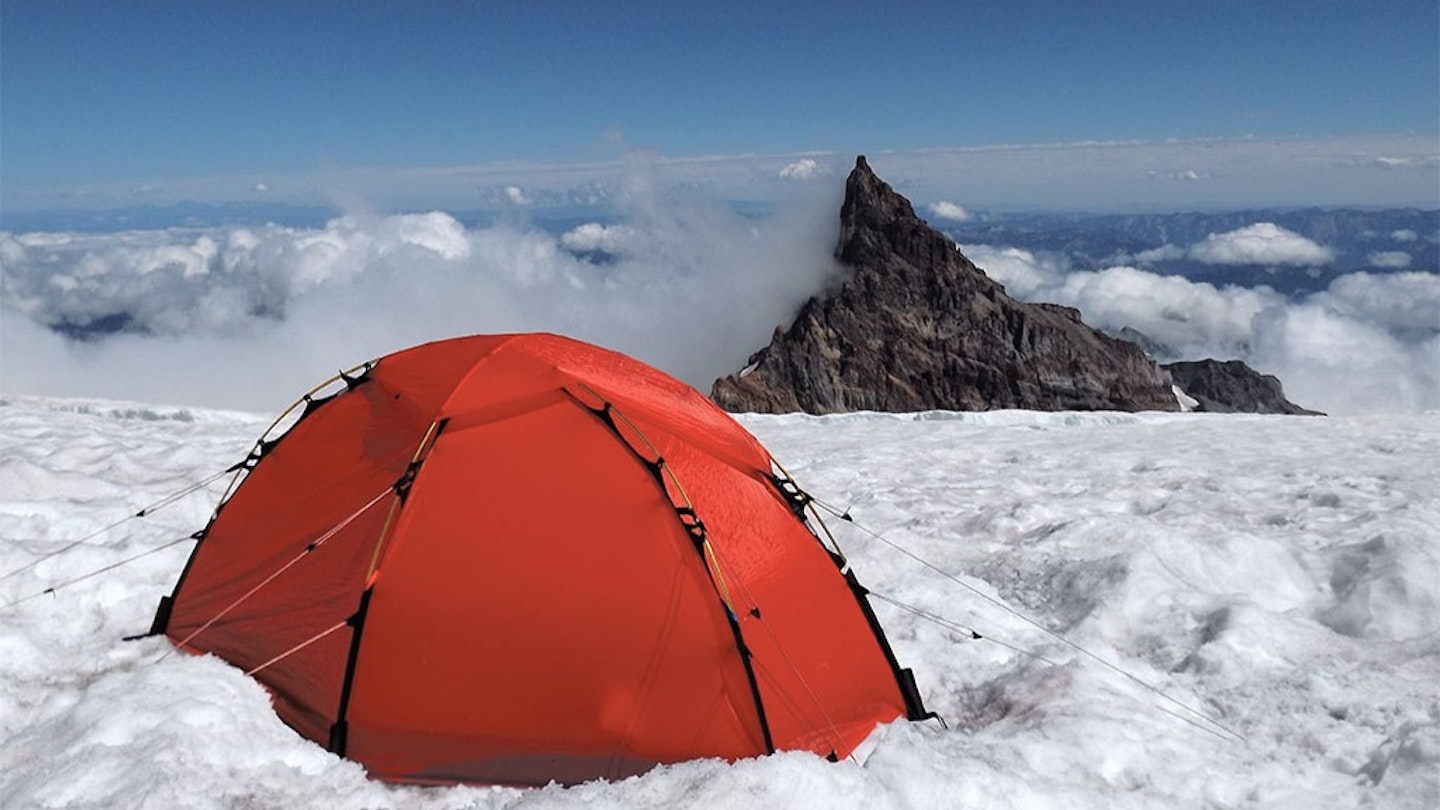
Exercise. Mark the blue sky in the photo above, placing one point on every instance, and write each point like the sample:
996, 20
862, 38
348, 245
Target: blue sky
169, 98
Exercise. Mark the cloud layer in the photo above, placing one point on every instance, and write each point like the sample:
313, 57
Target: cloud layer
249, 317
1390, 259
803, 169
246, 317
949, 210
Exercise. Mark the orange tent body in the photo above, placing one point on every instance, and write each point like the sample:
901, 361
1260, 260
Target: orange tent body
520, 559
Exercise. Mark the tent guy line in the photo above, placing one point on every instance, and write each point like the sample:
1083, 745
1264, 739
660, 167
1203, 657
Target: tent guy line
239, 468
298, 647
97, 572
941, 621
306, 552
1229, 733
143, 513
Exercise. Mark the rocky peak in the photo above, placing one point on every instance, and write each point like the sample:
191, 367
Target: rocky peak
917, 326
871, 209
1233, 387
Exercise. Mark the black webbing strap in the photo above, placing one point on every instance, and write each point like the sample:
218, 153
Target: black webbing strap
695, 528
339, 732
799, 500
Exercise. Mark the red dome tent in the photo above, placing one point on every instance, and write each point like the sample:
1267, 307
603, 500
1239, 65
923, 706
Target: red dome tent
520, 558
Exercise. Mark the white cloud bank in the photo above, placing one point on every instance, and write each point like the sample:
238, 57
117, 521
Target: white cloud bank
1262, 243
1395, 301
1390, 259
594, 236
249, 317
949, 210
1368, 342
803, 169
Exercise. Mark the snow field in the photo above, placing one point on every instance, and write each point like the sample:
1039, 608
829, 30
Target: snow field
1280, 574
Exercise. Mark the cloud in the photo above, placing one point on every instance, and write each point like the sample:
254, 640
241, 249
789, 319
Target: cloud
1343, 365
245, 317
261, 188
249, 317
1262, 243
1405, 235
1187, 175
1367, 342
516, 196
1178, 312
1024, 273
802, 169
593, 236
1164, 253
1390, 259
1397, 302
949, 210
1408, 162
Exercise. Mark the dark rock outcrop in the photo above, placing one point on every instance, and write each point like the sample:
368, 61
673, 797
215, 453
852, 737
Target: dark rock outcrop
1232, 387
1158, 351
917, 326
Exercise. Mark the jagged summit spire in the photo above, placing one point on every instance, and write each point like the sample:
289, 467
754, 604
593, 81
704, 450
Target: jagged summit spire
918, 326
871, 206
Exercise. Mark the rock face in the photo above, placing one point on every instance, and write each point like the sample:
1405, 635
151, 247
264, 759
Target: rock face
917, 326
1233, 387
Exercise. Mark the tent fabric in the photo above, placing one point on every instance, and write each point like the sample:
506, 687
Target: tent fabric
519, 559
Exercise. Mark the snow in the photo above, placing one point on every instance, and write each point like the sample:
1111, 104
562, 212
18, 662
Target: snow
1279, 574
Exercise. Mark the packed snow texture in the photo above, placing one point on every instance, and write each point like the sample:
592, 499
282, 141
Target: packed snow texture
1279, 574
